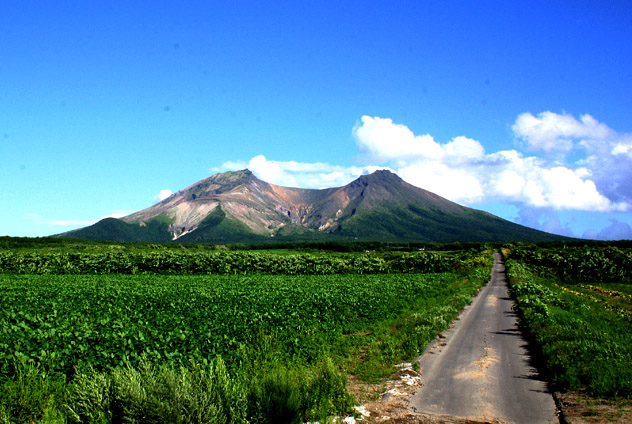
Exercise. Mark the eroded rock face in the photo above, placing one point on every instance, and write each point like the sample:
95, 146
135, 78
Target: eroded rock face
264, 208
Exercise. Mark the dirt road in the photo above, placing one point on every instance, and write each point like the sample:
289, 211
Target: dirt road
481, 369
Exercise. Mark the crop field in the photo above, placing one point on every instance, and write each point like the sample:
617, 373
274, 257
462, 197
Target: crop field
164, 336
106, 321
576, 304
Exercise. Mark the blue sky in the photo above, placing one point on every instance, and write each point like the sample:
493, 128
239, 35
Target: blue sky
519, 108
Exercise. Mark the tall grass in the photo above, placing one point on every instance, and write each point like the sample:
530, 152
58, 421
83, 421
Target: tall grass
32, 395
294, 395
151, 394
159, 394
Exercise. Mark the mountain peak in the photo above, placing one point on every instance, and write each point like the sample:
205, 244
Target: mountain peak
219, 183
243, 175
381, 176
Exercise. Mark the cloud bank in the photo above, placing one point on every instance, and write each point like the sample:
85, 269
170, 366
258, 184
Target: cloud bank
462, 171
553, 132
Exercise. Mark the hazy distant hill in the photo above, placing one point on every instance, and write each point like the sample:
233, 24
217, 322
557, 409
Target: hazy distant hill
236, 207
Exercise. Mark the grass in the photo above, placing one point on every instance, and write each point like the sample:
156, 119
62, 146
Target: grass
32, 394
148, 393
159, 394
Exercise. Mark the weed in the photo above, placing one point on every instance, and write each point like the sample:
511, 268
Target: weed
32, 394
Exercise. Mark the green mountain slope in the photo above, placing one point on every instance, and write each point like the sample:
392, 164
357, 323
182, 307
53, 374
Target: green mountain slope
413, 223
113, 229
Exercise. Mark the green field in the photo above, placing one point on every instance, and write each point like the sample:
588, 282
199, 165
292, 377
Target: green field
109, 320
114, 335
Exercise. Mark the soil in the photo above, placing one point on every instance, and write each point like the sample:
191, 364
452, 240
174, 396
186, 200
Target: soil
579, 408
388, 402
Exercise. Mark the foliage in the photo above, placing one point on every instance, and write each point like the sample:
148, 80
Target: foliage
582, 331
110, 320
32, 394
318, 247
280, 394
184, 262
576, 262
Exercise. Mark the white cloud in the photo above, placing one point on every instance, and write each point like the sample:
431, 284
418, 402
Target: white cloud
444, 169
562, 188
452, 183
461, 171
603, 153
384, 140
270, 171
464, 149
533, 182
623, 148
299, 174
163, 195
510, 184
554, 132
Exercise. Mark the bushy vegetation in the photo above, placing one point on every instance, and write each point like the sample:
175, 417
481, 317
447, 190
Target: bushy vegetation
152, 394
183, 262
580, 324
580, 262
197, 393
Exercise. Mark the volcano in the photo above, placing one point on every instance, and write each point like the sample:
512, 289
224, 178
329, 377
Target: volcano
237, 207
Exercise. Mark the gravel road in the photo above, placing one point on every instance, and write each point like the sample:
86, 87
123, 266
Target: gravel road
482, 368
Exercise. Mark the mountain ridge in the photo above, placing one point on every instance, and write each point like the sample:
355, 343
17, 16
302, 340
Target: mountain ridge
237, 207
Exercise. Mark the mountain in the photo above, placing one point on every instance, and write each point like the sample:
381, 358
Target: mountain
237, 207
